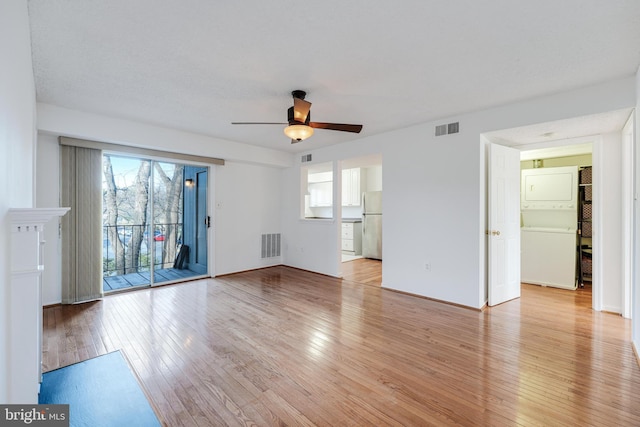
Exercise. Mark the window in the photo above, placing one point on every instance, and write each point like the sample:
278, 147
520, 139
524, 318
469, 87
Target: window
317, 189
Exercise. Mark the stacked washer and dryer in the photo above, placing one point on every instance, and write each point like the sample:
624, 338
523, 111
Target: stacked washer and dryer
549, 210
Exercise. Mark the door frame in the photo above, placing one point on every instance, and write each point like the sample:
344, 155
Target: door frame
628, 198
195, 215
597, 164
203, 214
366, 161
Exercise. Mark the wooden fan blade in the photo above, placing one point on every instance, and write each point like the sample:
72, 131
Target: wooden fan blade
300, 110
259, 123
337, 126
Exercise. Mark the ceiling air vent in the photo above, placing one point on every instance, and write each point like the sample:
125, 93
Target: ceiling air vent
306, 158
441, 130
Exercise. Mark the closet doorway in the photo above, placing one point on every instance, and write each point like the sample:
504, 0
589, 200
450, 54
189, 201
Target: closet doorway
612, 157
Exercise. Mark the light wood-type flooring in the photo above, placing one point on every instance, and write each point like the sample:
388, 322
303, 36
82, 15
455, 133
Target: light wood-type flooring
281, 346
363, 270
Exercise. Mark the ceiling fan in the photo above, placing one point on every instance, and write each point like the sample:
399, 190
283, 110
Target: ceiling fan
300, 126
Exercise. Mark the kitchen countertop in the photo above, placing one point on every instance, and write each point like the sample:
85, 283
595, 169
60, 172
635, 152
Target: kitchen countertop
351, 219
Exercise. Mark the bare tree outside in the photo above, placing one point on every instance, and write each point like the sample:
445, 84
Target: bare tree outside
139, 214
129, 241
110, 216
125, 214
168, 207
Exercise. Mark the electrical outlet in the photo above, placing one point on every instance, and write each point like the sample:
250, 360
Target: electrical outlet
427, 267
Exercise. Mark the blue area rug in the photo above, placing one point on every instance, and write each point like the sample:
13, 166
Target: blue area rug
100, 392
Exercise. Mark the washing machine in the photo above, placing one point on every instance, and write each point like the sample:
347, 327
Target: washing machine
549, 212
549, 256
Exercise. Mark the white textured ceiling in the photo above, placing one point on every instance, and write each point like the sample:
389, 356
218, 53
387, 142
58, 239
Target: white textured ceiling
198, 65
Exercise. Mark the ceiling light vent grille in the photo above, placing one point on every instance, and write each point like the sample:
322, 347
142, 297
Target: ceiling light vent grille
270, 245
448, 129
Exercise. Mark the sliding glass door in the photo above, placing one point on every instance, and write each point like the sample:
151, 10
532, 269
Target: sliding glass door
147, 209
168, 207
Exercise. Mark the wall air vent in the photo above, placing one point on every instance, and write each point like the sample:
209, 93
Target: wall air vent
306, 158
270, 245
447, 129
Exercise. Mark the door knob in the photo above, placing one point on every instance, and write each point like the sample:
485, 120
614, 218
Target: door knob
495, 232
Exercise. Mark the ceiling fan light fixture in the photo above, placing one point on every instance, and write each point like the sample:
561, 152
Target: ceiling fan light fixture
298, 132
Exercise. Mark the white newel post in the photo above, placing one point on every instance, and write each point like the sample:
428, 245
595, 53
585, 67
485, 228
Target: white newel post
25, 293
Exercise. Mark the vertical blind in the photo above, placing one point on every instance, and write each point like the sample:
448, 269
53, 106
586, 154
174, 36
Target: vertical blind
81, 190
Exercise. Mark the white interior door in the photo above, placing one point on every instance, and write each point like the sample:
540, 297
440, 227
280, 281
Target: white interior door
504, 224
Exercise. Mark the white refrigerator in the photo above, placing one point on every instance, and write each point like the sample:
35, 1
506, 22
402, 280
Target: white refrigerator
372, 224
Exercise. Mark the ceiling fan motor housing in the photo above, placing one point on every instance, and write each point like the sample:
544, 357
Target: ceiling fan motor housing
299, 94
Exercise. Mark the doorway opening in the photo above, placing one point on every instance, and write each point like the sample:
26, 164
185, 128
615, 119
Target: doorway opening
612, 194
556, 200
361, 220
154, 222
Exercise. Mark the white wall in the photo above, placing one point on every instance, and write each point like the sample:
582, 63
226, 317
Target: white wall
609, 190
430, 214
17, 130
434, 202
627, 195
374, 178
247, 205
351, 211
308, 244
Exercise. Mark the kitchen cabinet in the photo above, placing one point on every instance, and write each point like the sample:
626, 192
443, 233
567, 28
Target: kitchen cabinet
320, 188
320, 194
352, 238
352, 180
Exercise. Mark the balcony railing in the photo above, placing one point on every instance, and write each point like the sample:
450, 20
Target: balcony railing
131, 249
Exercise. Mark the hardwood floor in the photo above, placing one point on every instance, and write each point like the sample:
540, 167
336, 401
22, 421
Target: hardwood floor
281, 346
363, 270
